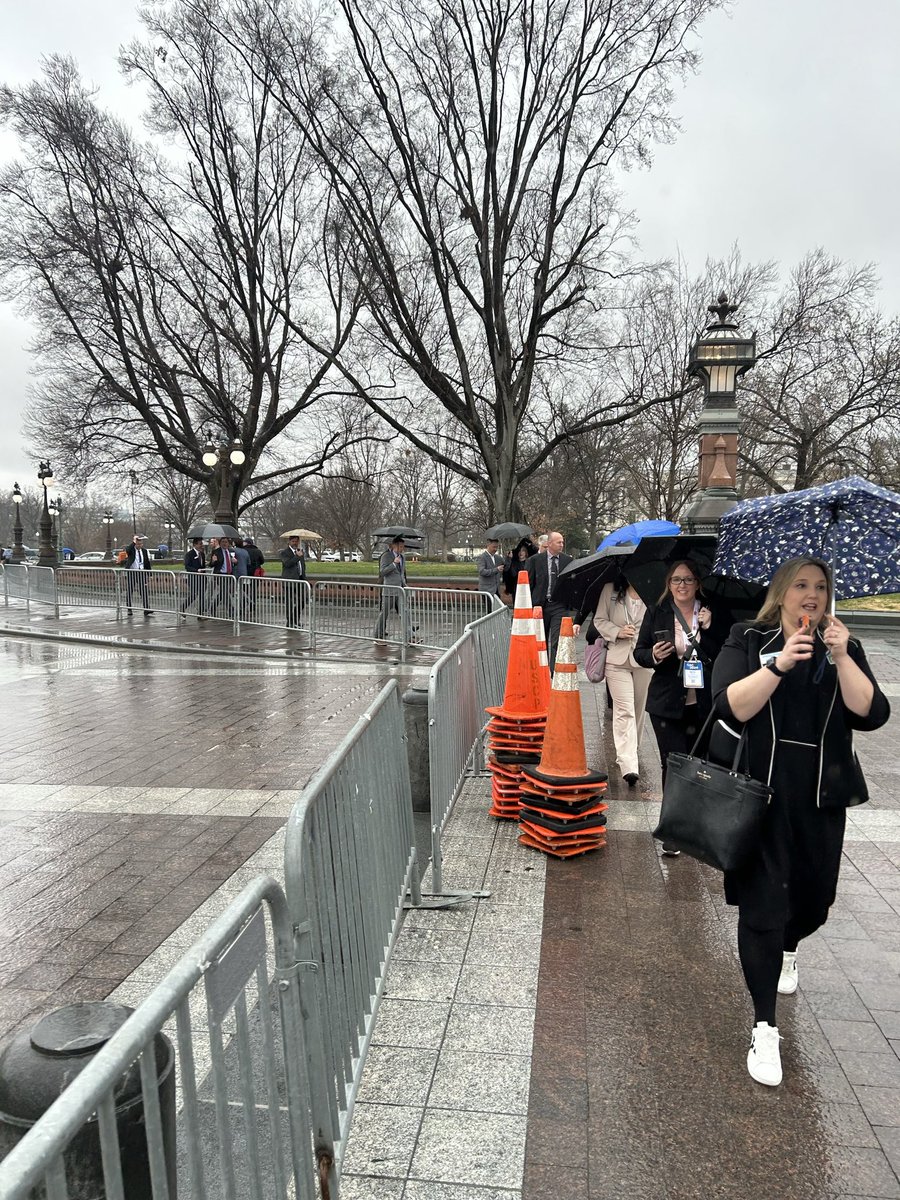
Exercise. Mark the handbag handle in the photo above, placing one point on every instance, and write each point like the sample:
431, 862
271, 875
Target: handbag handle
742, 741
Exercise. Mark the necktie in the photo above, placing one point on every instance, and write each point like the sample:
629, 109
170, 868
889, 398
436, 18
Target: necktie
554, 576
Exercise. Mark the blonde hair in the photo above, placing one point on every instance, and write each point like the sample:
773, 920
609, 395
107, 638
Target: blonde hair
770, 613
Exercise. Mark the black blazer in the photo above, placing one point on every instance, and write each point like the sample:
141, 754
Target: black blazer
216, 559
840, 782
538, 568
194, 560
130, 550
666, 694
293, 566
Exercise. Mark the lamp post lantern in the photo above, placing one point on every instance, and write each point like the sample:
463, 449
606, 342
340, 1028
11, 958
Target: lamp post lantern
222, 460
47, 557
719, 357
18, 550
108, 519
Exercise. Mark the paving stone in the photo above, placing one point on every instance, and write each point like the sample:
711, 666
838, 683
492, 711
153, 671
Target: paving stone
398, 1075
470, 1148
481, 1082
384, 1136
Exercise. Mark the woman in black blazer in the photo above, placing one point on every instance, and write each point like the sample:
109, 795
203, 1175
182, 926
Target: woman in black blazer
676, 710
800, 686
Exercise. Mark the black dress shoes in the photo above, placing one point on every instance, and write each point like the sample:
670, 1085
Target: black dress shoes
631, 779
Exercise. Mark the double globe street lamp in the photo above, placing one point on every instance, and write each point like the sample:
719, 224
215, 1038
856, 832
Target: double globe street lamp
224, 457
56, 509
108, 519
47, 556
18, 550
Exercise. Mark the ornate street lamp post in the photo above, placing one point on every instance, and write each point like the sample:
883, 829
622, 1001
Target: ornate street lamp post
108, 519
718, 358
133, 476
224, 458
56, 510
47, 556
18, 550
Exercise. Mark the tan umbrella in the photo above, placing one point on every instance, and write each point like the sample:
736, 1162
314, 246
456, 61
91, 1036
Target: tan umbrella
306, 534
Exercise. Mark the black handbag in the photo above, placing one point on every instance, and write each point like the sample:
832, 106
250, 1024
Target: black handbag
712, 813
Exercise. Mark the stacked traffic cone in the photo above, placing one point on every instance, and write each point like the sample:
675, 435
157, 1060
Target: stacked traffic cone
516, 728
562, 809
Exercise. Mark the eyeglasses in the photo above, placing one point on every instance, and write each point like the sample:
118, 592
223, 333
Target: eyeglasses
683, 579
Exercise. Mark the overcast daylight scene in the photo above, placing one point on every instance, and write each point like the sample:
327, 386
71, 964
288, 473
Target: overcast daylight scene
450, 561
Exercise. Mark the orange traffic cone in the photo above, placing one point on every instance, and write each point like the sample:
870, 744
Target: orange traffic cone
544, 661
561, 808
516, 728
522, 695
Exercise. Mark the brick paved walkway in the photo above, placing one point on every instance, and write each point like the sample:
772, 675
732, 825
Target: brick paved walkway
133, 786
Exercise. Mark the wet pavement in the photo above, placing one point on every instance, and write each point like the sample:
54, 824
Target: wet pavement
582, 1033
133, 786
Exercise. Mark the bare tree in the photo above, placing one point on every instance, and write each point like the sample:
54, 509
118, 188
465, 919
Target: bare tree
470, 145
192, 283
178, 500
829, 372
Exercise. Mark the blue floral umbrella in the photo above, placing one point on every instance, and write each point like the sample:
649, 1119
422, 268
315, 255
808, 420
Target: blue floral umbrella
853, 524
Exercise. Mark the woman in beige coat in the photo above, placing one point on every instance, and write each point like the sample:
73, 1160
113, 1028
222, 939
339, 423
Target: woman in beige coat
618, 617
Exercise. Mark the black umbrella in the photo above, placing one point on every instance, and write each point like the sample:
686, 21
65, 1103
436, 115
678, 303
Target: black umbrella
581, 582
395, 531
649, 577
741, 597
213, 530
507, 530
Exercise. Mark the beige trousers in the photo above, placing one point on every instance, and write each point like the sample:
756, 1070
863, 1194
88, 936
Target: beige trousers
628, 687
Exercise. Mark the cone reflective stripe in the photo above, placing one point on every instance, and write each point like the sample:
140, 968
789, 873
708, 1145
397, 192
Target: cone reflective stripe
541, 639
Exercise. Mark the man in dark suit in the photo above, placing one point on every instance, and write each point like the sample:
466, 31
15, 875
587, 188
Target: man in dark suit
543, 576
137, 561
194, 563
293, 566
221, 562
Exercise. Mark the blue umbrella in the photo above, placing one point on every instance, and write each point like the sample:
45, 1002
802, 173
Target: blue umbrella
632, 534
853, 524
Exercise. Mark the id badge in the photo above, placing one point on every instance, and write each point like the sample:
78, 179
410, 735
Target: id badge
693, 673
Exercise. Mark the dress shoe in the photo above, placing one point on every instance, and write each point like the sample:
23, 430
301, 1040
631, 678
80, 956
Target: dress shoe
631, 778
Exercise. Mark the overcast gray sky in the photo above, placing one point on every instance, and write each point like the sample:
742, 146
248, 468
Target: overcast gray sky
788, 142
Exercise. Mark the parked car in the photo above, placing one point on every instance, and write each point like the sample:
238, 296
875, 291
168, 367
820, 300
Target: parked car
330, 556
91, 556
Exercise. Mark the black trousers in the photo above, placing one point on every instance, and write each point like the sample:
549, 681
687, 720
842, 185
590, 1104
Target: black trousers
553, 615
676, 735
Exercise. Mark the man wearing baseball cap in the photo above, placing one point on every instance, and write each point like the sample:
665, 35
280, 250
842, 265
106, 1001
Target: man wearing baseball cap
137, 561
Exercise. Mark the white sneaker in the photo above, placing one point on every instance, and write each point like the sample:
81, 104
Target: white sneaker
764, 1056
787, 981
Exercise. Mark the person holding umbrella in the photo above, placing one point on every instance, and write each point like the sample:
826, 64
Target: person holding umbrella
679, 639
800, 685
519, 556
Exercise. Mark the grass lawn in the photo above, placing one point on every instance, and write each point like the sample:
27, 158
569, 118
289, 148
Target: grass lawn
889, 603
366, 569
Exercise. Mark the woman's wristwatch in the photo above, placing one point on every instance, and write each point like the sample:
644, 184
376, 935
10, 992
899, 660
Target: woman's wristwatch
773, 666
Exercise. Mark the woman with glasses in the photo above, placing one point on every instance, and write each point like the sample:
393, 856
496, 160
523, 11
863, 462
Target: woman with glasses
679, 639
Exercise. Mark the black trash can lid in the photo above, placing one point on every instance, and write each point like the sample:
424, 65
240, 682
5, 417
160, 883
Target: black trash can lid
37, 1065
79, 1028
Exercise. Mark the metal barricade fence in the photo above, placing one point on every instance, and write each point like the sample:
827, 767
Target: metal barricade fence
15, 581
42, 586
462, 683
153, 590
87, 587
438, 616
212, 597
361, 610
243, 1129
350, 859
285, 603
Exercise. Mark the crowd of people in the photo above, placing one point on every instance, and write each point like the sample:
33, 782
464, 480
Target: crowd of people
792, 680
